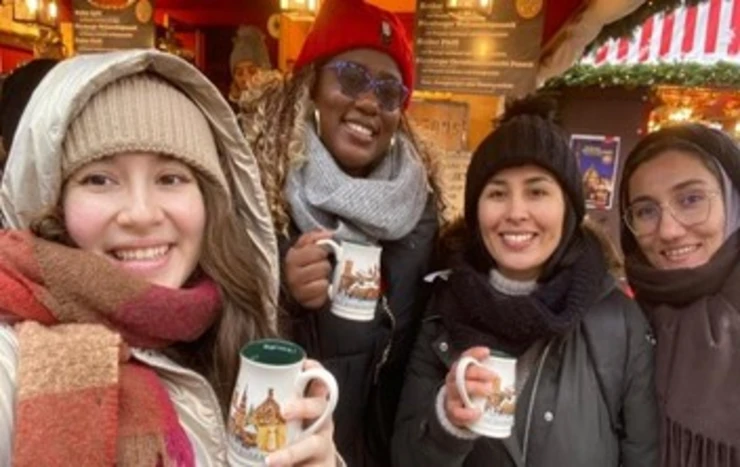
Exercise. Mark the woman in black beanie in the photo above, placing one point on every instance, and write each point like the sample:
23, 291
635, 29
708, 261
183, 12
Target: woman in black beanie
527, 279
681, 210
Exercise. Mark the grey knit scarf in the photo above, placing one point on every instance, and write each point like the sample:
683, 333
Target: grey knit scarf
386, 205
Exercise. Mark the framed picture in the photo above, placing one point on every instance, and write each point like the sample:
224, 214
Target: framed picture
22, 13
44, 16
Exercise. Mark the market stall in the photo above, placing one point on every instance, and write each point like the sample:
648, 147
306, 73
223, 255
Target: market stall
678, 66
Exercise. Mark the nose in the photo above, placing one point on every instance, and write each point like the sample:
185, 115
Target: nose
518, 210
140, 209
367, 102
669, 228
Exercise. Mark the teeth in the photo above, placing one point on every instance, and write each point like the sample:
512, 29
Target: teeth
360, 129
678, 252
142, 254
518, 238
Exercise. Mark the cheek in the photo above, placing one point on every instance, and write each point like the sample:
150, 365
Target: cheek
391, 121
715, 228
190, 215
489, 215
85, 220
551, 219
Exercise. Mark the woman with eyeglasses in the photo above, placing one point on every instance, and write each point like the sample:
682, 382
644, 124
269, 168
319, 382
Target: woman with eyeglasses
338, 159
681, 211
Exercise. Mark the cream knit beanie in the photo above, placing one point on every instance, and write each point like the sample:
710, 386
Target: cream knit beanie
142, 113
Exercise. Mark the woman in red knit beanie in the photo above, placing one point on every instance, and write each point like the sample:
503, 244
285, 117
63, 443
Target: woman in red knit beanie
338, 159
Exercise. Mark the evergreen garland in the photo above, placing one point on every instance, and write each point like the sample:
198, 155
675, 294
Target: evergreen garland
722, 74
626, 26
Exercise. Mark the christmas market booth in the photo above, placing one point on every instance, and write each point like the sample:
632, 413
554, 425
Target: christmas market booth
678, 66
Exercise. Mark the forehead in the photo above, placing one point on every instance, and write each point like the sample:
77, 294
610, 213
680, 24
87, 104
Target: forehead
136, 159
667, 172
522, 173
377, 62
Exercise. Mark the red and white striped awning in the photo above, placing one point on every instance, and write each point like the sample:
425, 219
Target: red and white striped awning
706, 34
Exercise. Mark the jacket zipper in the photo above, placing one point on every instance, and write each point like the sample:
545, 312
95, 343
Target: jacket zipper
532, 398
387, 310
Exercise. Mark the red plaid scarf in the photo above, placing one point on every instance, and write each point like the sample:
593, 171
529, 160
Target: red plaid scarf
81, 400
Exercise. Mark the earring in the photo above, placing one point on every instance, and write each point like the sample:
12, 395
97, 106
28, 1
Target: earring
317, 120
392, 146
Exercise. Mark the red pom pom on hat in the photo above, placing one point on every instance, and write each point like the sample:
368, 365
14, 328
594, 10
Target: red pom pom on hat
343, 25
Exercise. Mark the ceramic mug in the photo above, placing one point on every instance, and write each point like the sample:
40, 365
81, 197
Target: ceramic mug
271, 374
498, 409
355, 285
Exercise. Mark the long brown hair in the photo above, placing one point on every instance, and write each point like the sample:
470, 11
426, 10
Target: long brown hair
227, 257
274, 115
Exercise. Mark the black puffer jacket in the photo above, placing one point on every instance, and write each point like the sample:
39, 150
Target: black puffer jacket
368, 359
562, 411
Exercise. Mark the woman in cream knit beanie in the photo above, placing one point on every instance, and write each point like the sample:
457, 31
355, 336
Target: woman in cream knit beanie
141, 260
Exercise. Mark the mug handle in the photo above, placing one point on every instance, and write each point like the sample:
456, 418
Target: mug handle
335, 249
304, 378
462, 368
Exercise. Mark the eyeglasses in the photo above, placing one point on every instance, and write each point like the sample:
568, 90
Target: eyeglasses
688, 208
354, 79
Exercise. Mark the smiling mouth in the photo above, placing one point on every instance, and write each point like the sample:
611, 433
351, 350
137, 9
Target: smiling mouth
140, 254
363, 132
518, 240
679, 253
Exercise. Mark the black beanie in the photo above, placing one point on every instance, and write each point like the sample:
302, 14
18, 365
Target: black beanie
526, 134
694, 137
16, 92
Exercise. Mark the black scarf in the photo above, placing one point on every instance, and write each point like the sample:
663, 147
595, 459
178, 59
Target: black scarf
481, 315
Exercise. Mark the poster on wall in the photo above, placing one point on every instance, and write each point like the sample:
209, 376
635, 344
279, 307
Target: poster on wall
446, 122
475, 47
598, 160
104, 25
454, 167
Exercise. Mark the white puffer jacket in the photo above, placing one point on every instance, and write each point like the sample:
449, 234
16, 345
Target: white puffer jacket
32, 182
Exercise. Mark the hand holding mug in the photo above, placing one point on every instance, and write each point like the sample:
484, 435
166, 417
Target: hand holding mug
269, 408
355, 286
307, 270
478, 382
488, 386
317, 448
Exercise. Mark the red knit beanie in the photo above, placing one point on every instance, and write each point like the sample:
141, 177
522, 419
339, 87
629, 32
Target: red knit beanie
343, 25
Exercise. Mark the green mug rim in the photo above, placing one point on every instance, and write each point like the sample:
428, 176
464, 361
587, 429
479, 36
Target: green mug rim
258, 346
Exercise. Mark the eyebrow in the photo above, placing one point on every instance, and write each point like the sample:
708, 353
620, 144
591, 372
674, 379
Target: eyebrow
678, 187
528, 181
688, 183
388, 75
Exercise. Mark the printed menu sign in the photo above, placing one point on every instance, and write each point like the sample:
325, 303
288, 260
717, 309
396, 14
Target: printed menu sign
478, 51
454, 165
102, 25
444, 122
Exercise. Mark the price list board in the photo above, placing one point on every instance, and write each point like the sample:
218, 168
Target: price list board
104, 25
475, 51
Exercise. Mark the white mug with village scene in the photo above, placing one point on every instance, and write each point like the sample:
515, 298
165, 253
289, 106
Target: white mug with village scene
498, 409
355, 287
271, 374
